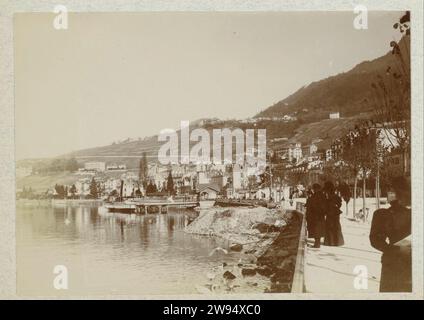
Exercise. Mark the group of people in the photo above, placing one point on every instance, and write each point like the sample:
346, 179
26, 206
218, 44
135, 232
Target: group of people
323, 215
390, 231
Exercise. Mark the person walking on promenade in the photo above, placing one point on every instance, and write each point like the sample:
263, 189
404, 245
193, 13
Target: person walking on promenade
388, 228
315, 215
333, 229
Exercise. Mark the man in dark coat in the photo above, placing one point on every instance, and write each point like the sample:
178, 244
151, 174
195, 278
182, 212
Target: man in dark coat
315, 215
333, 228
388, 228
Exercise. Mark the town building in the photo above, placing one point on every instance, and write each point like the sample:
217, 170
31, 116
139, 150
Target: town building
130, 187
95, 166
398, 163
237, 177
295, 152
208, 191
313, 148
203, 177
116, 167
112, 184
289, 118
334, 115
328, 155
83, 187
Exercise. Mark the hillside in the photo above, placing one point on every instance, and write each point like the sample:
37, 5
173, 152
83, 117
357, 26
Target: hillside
347, 93
128, 153
325, 130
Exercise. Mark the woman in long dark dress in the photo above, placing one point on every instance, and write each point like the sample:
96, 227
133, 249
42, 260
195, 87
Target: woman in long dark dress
333, 229
390, 227
315, 215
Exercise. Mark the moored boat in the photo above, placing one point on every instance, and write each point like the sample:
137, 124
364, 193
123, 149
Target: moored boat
146, 205
121, 207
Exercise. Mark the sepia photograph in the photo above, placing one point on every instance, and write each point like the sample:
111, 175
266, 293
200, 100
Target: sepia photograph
212, 154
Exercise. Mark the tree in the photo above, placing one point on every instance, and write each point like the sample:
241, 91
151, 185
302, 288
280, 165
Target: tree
30, 193
60, 190
24, 193
93, 188
170, 183
274, 158
391, 97
335, 170
143, 170
345, 194
138, 193
151, 188
73, 190
27, 193
252, 182
297, 176
359, 151
100, 189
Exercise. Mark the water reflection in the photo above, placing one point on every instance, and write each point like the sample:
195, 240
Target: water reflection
111, 252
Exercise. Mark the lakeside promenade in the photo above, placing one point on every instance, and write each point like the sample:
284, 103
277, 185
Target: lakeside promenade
332, 269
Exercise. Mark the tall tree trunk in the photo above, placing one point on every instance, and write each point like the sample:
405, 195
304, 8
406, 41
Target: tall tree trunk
355, 186
364, 187
377, 185
347, 209
404, 161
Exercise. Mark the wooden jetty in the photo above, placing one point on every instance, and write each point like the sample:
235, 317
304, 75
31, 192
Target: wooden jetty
149, 205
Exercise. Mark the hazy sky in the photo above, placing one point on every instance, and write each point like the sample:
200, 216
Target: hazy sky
113, 76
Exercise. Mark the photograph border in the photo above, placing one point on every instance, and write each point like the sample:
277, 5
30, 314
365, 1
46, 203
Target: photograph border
7, 129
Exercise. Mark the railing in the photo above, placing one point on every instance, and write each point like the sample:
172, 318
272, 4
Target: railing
298, 285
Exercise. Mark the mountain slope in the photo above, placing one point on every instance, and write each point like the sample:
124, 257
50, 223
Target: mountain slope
347, 93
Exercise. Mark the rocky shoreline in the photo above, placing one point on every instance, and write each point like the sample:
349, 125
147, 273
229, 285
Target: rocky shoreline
266, 241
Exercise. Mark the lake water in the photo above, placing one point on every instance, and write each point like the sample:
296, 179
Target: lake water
110, 253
